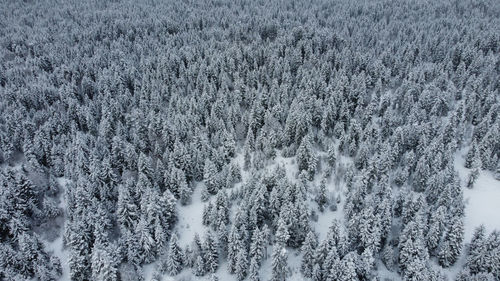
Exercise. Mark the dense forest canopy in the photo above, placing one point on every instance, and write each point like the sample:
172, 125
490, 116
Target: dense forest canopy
317, 140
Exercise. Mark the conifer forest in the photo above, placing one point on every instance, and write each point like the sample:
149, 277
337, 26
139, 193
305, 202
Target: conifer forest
256, 140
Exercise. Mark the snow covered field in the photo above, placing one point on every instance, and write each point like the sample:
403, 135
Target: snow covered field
482, 202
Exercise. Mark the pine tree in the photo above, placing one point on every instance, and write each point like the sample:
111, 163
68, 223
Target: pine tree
178, 185
331, 156
416, 271
127, 210
472, 154
207, 211
477, 251
211, 255
174, 260
161, 238
348, 270
282, 234
241, 264
412, 247
79, 250
103, 267
306, 160
497, 171
210, 177
369, 232
257, 246
473, 175
247, 158
321, 197
279, 262
307, 250
146, 240
222, 237
221, 209
452, 245
317, 274
144, 166
205, 195
232, 248
367, 263
199, 267
253, 271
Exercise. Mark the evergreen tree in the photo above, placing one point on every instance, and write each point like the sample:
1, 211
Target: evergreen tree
279, 262
282, 234
241, 264
146, 240
211, 255
307, 250
477, 251
174, 260
144, 166
257, 246
347, 270
103, 267
306, 159
253, 271
331, 156
247, 158
321, 197
317, 274
210, 177
452, 244
127, 210
472, 154
199, 267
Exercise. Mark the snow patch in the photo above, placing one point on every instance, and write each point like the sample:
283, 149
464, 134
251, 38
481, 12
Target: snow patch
56, 247
482, 201
190, 219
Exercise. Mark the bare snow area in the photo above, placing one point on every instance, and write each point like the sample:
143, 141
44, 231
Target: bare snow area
384, 274
482, 201
325, 220
190, 219
57, 246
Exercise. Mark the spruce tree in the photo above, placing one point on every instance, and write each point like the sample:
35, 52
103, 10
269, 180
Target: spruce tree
210, 177
282, 234
307, 250
253, 271
241, 264
321, 197
211, 255
174, 260
279, 262
103, 267
452, 245
199, 267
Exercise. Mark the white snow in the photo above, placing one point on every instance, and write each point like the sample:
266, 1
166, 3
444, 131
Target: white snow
148, 270
56, 246
481, 206
482, 202
384, 274
190, 219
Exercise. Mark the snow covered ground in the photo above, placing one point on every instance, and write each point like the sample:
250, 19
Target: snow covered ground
481, 206
190, 219
482, 201
57, 246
